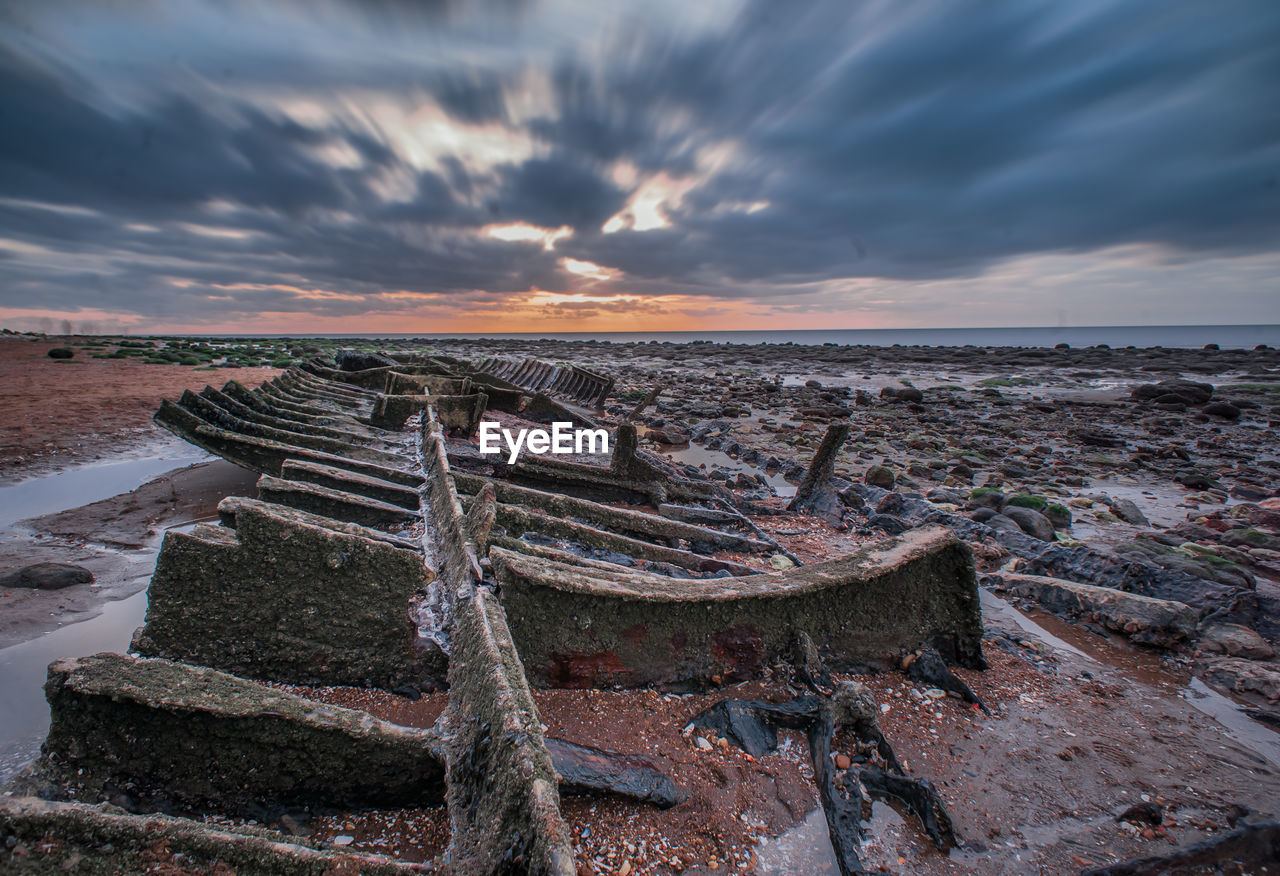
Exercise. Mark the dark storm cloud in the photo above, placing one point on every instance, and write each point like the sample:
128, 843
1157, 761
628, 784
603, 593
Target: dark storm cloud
555, 191
964, 136
895, 140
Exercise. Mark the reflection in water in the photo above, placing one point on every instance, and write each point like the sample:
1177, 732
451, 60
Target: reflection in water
24, 715
85, 484
696, 454
805, 848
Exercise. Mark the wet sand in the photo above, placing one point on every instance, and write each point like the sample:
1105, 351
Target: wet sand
59, 413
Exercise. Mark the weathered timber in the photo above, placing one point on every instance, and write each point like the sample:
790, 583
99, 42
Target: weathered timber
254, 415
393, 411
618, 520
350, 482
517, 520
398, 383
649, 398
504, 804
579, 627
201, 408
330, 502
587, 770
460, 413
229, 507
262, 454
258, 402
815, 494
101, 840
200, 739
1247, 847
280, 599
571, 381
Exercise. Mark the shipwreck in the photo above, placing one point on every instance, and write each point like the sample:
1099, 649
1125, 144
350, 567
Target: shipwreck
384, 552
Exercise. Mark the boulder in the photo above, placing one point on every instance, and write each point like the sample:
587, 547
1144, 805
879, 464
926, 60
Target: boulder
1127, 511
1243, 676
999, 521
1236, 641
47, 576
1186, 391
669, 435
879, 476
1225, 410
1144, 619
1030, 521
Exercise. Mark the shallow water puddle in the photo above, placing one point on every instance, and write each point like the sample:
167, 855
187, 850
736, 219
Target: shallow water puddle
696, 455
805, 848
84, 484
1259, 739
24, 714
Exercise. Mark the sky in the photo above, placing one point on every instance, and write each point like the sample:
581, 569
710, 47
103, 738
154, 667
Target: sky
584, 165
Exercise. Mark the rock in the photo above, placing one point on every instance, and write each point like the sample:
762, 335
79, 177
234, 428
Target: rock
1127, 511
910, 394
888, 523
1146, 812
353, 360
1099, 439
947, 497
852, 704
1031, 522
1059, 515
985, 497
1236, 641
879, 476
999, 521
1225, 410
47, 576
929, 668
1144, 619
1187, 391
1243, 676
850, 498
669, 435
781, 563
61, 353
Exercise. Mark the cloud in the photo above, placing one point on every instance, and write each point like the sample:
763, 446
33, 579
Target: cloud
815, 158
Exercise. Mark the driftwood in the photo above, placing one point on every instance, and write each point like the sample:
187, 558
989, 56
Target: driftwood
648, 399
929, 667
753, 726
587, 770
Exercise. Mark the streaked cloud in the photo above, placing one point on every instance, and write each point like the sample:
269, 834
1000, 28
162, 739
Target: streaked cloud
726, 165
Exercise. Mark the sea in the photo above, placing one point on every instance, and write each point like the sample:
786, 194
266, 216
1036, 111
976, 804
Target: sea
1243, 337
